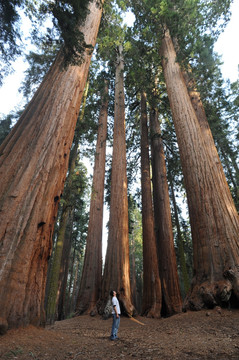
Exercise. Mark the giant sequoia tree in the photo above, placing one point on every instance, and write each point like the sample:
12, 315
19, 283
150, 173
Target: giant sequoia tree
213, 216
152, 295
163, 223
214, 219
33, 165
90, 287
117, 271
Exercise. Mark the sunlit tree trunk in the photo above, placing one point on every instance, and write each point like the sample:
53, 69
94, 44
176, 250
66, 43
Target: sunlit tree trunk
33, 165
163, 223
213, 216
117, 270
152, 295
202, 119
92, 270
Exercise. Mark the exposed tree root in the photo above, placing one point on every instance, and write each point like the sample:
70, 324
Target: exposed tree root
210, 294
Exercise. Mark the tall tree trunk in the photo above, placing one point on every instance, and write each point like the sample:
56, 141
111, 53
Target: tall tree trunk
132, 272
213, 216
65, 260
56, 265
182, 259
117, 270
152, 295
172, 302
91, 279
75, 284
202, 119
33, 165
75, 262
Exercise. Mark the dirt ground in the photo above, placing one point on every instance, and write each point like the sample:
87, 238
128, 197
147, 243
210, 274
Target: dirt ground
211, 334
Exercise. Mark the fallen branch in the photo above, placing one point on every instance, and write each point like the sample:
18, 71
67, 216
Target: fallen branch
139, 322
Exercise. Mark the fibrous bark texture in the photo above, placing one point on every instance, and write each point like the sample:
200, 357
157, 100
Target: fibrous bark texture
163, 224
33, 164
92, 271
213, 217
116, 271
152, 295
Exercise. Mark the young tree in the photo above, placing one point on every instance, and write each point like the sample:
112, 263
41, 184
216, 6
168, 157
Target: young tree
152, 295
163, 223
92, 271
117, 271
33, 165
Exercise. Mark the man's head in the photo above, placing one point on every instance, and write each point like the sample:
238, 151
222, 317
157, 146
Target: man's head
113, 293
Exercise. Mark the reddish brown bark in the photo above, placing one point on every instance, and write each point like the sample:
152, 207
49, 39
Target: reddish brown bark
205, 128
152, 295
33, 165
163, 223
92, 271
214, 219
116, 270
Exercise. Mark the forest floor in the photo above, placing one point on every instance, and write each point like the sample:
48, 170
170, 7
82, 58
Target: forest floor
211, 334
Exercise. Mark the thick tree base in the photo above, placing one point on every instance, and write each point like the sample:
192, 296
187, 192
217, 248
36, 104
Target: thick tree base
224, 293
153, 313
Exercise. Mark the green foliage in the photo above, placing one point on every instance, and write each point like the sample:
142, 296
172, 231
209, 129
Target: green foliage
66, 16
194, 26
111, 33
53, 23
39, 64
5, 127
73, 219
9, 34
235, 96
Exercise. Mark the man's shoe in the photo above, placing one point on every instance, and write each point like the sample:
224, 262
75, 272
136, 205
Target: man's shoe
113, 339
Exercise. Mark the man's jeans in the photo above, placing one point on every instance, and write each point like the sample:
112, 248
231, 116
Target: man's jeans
115, 327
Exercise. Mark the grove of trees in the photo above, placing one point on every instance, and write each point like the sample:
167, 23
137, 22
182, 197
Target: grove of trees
147, 106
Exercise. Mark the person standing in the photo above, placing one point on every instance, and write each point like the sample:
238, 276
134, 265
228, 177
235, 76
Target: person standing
116, 316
